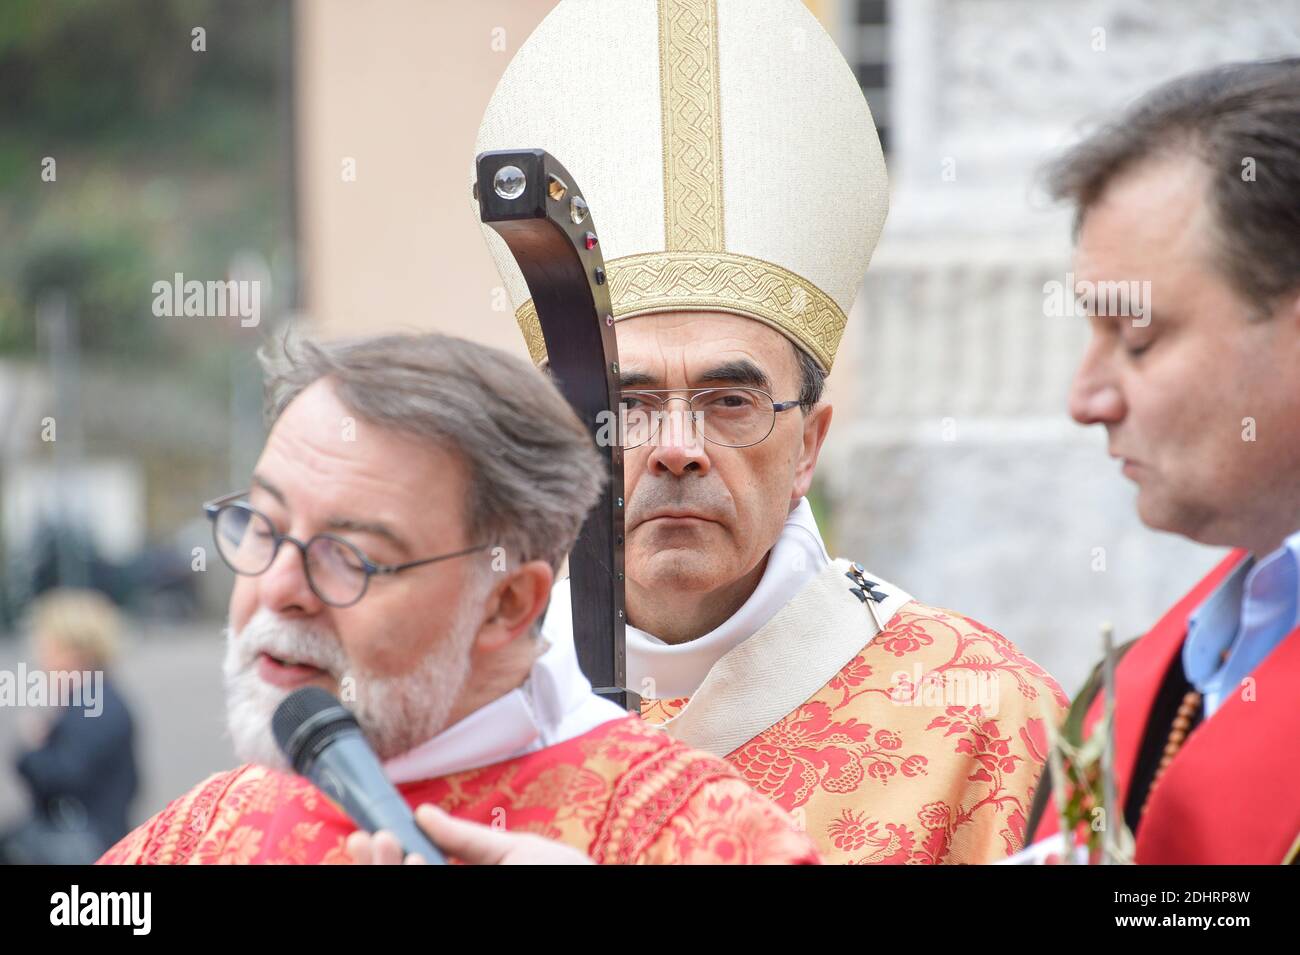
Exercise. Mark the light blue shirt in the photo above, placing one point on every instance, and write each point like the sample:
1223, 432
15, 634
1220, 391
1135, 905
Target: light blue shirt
1245, 618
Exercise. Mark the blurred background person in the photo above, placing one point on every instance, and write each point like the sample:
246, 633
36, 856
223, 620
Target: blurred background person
78, 758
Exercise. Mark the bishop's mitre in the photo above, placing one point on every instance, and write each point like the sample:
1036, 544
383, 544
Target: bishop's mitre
724, 147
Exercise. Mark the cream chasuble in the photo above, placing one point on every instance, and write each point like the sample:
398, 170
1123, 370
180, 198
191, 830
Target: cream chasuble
920, 741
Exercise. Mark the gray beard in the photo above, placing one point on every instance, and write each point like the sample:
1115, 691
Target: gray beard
396, 713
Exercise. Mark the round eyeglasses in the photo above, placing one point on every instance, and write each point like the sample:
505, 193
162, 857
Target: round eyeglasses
336, 570
731, 417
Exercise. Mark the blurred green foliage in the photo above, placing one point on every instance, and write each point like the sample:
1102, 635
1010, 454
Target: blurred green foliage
167, 159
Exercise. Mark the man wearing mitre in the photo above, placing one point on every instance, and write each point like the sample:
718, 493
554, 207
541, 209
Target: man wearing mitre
735, 184
398, 545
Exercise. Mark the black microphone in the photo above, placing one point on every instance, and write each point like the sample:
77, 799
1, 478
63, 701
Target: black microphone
325, 744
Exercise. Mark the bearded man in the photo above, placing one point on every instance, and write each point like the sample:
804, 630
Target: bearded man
397, 548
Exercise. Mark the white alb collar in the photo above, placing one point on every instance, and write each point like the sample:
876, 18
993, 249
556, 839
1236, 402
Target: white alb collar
665, 671
554, 704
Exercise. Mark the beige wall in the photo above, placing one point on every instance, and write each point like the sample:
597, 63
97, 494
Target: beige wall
399, 86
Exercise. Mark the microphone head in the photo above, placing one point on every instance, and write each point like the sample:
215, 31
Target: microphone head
306, 721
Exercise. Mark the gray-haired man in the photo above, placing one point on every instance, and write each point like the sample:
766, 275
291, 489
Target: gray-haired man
398, 545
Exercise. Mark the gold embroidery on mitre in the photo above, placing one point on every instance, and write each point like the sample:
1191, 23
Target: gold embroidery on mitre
714, 282
692, 124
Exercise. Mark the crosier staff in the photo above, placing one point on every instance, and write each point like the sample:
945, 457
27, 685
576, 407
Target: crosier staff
534, 204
